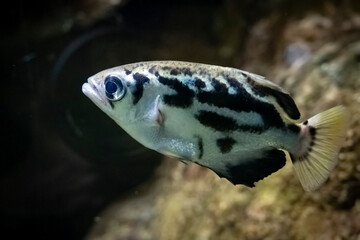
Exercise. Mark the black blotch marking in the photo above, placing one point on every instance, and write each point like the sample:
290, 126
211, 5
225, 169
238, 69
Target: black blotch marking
224, 124
166, 68
184, 96
252, 170
201, 71
177, 71
127, 72
306, 122
244, 75
152, 70
242, 101
312, 131
219, 87
174, 72
225, 144
293, 159
111, 104
186, 71
283, 99
199, 84
139, 86
300, 158
200, 146
294, 128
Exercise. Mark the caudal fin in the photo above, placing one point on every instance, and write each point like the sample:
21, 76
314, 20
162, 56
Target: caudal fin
326, 133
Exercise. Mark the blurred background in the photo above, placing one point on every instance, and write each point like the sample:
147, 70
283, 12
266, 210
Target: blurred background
67, 171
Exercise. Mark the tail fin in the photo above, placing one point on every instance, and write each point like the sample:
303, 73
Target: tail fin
326, 132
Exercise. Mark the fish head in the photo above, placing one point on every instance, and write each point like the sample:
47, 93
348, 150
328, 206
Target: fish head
109, 90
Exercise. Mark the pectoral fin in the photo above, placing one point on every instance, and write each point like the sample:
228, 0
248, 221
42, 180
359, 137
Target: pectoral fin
263, 87
154, 115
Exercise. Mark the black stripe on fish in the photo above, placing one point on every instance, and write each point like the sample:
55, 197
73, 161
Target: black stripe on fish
139, 86
184, 96
224, 124
283, 99
216, 121
248, 171
225, 144
200, 146
242, 101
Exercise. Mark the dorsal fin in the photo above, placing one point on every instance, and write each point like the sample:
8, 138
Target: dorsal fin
285, 101
263, 87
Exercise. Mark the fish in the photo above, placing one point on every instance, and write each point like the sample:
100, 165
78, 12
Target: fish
236, 123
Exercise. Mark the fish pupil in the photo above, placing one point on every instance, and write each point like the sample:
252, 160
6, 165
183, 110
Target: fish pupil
111, 87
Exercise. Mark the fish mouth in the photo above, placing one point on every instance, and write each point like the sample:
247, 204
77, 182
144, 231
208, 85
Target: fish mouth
91, 90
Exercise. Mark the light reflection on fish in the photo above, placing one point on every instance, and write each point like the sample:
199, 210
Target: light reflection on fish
233, 122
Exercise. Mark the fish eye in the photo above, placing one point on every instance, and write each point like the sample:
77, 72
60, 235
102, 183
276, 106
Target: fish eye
114, 88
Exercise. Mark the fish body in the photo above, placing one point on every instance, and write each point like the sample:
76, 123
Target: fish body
236, 123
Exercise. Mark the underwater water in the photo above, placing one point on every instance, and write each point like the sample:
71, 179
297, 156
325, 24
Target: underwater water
67, 171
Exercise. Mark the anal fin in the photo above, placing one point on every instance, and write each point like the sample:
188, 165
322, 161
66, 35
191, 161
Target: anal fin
249, 169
